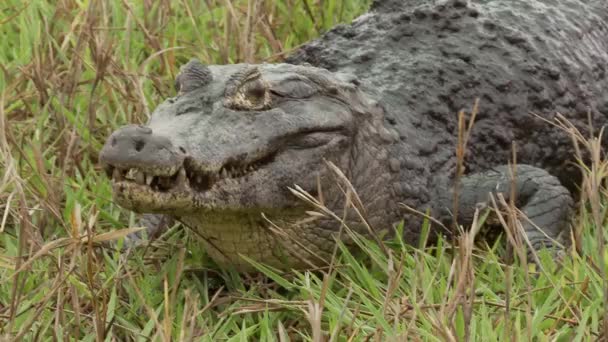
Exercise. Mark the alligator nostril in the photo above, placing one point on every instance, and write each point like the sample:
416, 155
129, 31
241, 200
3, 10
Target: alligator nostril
144, 129
139, 145
113, 141
182, 150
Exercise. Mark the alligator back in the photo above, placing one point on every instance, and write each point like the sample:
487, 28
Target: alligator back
425, 62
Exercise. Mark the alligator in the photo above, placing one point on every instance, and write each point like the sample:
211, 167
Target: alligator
378, 100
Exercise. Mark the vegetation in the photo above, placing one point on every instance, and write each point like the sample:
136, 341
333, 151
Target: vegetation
72, 71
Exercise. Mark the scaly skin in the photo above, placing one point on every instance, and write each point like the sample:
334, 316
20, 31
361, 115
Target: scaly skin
383, 108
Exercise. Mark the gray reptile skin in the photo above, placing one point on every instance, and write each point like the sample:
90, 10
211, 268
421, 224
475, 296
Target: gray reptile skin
379, 98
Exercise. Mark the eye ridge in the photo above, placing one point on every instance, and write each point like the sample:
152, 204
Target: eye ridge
294, 89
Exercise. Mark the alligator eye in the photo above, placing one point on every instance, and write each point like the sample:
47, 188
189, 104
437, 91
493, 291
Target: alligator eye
255, 89
252, 95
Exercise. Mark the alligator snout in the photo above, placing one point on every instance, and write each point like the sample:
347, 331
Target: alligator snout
137, 147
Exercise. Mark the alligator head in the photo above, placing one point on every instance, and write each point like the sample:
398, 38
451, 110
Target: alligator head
228, 147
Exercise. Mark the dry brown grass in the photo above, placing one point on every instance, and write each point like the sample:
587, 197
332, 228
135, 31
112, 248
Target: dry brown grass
72, 73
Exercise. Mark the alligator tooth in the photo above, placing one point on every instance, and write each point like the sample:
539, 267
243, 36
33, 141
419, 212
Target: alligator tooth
181, 177
140, 177
117, 175
199, 179
224, 173
131, 173
149, 179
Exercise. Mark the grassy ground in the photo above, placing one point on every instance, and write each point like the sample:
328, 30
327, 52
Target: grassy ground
72, 71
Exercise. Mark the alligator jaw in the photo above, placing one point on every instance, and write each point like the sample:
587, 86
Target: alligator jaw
145, 189
155, 181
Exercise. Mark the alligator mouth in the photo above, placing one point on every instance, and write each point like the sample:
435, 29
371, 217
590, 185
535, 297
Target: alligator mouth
186, 177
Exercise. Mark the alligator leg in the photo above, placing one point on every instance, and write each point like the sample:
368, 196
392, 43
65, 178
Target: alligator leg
155, 224
540, 196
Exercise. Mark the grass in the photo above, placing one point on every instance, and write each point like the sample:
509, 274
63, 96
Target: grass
72, 71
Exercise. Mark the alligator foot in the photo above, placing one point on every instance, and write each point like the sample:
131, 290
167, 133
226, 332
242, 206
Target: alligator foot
545, 203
